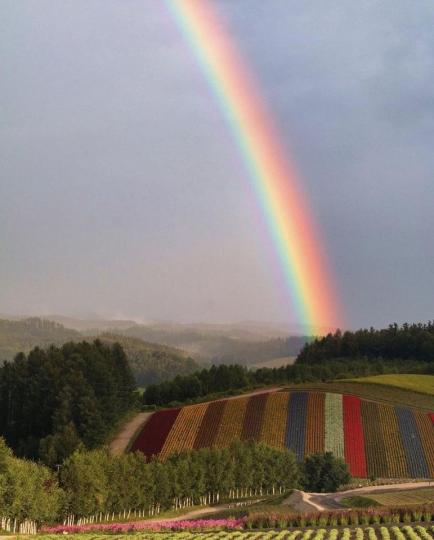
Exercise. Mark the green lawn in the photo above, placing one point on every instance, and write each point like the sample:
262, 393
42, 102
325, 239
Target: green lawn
359, 502
417, 383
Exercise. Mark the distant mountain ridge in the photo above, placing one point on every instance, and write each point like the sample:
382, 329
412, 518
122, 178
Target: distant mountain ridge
160, 350
150, 362
22, 335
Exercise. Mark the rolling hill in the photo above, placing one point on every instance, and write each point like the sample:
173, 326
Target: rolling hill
375, 439
150, 362
246, 343
22, 335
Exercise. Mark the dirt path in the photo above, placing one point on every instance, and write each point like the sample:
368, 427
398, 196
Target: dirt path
268, 390
119, 444
302, 502
199, 512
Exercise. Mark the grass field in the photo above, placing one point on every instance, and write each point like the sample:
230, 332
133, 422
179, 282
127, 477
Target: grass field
275, 362
359, 502
405, 497
417, 383
376, 392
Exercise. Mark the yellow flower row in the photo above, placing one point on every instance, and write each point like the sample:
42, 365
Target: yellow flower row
395, 454
273, 427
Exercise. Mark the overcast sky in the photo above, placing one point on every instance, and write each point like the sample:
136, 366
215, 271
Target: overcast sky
122, 192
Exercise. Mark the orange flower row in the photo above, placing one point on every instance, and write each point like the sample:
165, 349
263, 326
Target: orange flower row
231, 423
185, 429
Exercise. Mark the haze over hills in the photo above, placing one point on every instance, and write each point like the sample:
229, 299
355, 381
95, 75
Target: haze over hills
157, 351
149, 362
22, 335
242, 342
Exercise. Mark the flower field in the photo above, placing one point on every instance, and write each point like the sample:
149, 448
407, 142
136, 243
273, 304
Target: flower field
375, 439
406, 532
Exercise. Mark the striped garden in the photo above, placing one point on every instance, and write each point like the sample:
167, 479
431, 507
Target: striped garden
375, 439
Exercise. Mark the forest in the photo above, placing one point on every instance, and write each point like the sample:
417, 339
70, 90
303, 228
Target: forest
224, 379
407, 342
52, 400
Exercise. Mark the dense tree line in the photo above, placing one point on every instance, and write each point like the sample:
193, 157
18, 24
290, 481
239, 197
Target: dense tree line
201, 383
217, 379
409, 341
52, 400
94, 482
98, 482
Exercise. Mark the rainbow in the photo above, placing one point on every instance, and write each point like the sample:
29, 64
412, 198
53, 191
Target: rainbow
273, 177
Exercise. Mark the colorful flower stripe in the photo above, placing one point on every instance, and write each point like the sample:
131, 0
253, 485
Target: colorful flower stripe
231, 424
334, 425
354, 440
155, 431
426, 432
184, 430
253, 418
375, 447
274, 421
395, 454
374, 439
412, 444
210, 422
314, 436
295, 430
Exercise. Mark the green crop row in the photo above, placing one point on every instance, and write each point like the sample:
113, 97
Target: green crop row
359, 533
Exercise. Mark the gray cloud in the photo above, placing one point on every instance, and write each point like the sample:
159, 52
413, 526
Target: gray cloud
122, 191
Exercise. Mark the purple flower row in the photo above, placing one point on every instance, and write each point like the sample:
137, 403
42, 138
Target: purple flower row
148, 525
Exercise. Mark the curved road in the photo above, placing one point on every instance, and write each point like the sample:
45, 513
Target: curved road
330, 501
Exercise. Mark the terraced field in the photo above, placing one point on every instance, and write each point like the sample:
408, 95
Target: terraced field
375, 439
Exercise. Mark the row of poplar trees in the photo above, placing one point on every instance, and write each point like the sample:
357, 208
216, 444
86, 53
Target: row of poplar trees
93, 482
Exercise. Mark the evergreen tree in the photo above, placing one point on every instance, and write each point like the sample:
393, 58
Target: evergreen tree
324, 473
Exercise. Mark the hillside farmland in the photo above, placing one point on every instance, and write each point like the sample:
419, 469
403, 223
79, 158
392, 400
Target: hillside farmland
375, 439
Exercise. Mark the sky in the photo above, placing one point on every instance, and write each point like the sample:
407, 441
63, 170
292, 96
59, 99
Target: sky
123, 194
